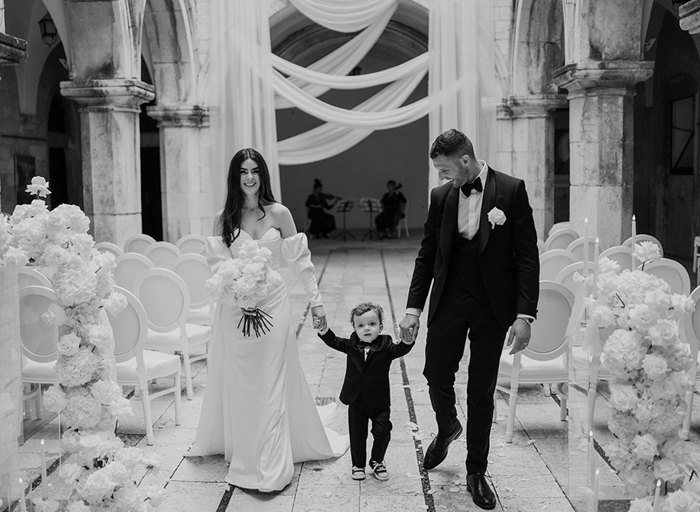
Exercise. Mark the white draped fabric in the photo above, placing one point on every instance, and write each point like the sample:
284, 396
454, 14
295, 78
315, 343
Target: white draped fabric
246, 76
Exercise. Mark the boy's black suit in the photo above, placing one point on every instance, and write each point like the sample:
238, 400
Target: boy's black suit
366, 390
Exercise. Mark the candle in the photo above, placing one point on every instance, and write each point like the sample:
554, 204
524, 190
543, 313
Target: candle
22, 502
585, 253
591, 458
634, 226
9, 491
60, 443
596, 248
44, 493
595, 490
657, 496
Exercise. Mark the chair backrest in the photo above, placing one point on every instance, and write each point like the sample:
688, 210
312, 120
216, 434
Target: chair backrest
561, 238
138, 243
578, 248
165, 298
130, 266
109, 247
130, 327
28, 276
552, 261
643, 238
541, 247
194, 270
193, 243
623, 255
690, 325
559, 225
548, 339
670, 271
39, 338
565, 277
163, 254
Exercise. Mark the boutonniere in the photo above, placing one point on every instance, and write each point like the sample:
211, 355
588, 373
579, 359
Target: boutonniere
496, 217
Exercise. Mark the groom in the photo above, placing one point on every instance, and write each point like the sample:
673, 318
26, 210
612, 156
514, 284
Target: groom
479, 250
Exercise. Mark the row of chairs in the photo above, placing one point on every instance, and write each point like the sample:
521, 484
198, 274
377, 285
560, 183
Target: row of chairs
570, 240
546, 357
149, 334
163, 254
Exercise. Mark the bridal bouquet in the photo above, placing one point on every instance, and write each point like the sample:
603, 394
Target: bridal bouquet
243, 282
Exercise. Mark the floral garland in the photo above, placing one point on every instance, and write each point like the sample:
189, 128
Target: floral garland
649, 363
98, 473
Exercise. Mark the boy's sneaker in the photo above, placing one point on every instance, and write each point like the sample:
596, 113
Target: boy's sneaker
379, 470
358, 473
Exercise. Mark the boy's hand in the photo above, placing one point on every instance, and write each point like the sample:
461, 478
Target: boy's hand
318, 315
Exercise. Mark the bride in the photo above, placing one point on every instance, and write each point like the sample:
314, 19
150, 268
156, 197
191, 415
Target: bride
258, 410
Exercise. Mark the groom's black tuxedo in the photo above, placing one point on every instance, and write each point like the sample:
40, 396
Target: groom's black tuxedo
478, 288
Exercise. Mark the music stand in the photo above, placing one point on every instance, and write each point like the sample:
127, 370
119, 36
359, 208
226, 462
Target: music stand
371, 205
344, 206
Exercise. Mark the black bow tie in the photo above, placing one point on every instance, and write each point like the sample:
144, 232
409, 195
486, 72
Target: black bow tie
474, 185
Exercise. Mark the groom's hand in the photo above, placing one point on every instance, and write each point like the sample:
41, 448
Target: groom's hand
519, 335
319, 318
409, 328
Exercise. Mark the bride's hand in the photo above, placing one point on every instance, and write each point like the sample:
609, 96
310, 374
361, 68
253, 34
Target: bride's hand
319, 318
248, 311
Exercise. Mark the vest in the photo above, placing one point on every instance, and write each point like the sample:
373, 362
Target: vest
465, 279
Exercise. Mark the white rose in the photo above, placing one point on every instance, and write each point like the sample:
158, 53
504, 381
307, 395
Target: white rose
496, 217
39, 186
623, 397
643, 505
642, 317
646, 251
69, 344
667, 470
70, 472
645, 447
54, 399
47, 505
655, 366
679, 501
78, 506
106, 391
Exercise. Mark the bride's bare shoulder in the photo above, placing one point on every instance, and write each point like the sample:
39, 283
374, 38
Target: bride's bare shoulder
282, 219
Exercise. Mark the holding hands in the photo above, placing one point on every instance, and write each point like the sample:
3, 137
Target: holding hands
319, 318
409, 327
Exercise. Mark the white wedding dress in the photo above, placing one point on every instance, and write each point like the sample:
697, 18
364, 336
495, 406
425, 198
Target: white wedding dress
258, 410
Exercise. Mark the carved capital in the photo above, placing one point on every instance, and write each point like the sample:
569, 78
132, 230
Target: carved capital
591, 74
533, 106
12, 50
689, 14
173, 116
122, 94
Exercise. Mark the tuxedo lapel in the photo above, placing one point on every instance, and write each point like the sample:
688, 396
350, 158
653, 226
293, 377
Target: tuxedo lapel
449, 220
487, 204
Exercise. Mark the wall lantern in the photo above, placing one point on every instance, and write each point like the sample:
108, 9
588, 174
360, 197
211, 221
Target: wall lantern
47, 27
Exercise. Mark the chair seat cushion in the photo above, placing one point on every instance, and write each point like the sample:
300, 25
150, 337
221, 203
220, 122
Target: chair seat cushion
200, 316
39, 372
157, 364
535, 371
168, 341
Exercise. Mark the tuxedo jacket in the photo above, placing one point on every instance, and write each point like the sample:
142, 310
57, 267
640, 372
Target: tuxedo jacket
508, 259
368, 380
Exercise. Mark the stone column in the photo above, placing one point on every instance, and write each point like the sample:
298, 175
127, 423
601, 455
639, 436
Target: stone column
181, 170
109, 126
601, 126
530, 123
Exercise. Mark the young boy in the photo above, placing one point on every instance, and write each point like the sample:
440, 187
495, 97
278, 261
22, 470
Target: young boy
366, 386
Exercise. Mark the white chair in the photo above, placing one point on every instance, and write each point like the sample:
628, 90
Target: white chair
138, 243
130, 266
623, 255
565, 277
109, 247
670, 271
165, 298
578, 248
541, 247
403, 222
553, 261
696, 258
28, 276
39, 342
690, 329
193, 243
642, 238
163, 254
561, 238
559, 225
544, 359
136, 366
194, 270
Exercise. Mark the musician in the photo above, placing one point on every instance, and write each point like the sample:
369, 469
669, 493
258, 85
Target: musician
317, 205
393, 207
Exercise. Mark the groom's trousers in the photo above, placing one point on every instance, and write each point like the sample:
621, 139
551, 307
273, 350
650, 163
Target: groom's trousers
444, 350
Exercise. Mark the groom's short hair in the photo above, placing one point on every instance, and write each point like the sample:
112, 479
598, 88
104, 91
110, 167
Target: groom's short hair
451, 143
361, 309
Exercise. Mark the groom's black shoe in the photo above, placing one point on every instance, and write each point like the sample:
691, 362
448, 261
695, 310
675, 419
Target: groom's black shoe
482, 494
437, 451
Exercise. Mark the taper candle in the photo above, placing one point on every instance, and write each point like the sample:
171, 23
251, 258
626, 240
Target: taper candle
22, 502
596, 249
634, 226
44, 493
591, 458
657, 496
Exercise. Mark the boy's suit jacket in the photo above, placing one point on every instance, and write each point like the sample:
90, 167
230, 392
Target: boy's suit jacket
367, 379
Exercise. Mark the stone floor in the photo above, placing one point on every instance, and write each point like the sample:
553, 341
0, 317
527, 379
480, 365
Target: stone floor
544, 469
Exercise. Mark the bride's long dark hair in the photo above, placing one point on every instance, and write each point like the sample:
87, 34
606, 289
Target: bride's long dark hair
230, 219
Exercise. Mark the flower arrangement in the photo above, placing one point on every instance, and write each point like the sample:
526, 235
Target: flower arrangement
243, 282
98, 473
650, 363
